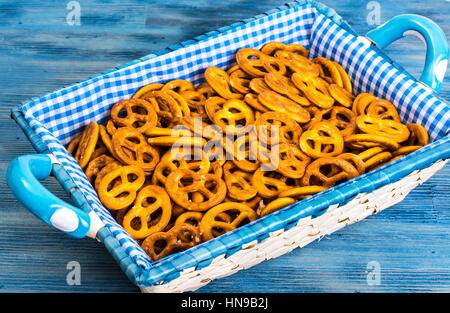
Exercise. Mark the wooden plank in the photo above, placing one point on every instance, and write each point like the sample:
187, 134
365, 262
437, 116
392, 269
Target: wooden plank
40, 53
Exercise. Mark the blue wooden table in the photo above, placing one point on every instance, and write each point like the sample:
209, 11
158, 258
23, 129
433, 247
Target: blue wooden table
42, 48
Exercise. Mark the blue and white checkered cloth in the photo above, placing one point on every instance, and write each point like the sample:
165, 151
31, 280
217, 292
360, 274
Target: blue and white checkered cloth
58, 117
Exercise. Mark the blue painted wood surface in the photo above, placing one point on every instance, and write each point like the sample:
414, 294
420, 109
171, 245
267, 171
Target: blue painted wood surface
40, 52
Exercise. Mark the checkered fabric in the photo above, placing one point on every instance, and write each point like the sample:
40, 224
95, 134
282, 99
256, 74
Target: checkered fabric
59, 116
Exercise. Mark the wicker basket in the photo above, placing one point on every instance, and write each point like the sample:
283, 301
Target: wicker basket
51, 121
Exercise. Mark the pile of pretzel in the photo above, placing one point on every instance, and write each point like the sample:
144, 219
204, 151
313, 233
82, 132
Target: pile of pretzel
164, 165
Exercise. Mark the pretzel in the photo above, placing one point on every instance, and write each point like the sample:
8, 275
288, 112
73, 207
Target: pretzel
130, 147
252, 100
355, 160
287, 130
234, 116
270, 184
377, 159
329, 71
276, 205
118, 196
196, 102
136, 113
197, 126
343, 118
86, 145
361, 102
313, 142
257, 64
418, 135
346, 83
315, 89
367, 154
178, 85
95, 166
314, 170
173, 242
341, 95
239, 183
298, 63
292, 161
244, 152
182, 184
219, 80
239, 81
143, 211
364, 141
73, 145
276, 102
209, 222
185, 158
251, 203
147, 89
405, 150
110, 166
382, 109
301, 193
284, 86
206, 90
387, 128
258, 85
271, 47
170, 107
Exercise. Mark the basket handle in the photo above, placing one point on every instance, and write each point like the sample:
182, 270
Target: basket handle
23, 176
430, 33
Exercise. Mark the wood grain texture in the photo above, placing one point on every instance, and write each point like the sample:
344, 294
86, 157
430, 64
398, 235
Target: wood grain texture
40, 52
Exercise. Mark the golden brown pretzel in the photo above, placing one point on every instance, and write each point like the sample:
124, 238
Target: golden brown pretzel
257, 64
182, 184
117, 189
317, 170
314, 142
210, 221
131, 147
219, 80
139, 221
136, 113
276, 102
239, 183
285, 128
86, 145
178, 238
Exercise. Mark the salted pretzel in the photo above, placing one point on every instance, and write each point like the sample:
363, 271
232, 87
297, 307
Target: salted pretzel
301, 193
147, 89
271, 48
233, 116
377, 159
136, 113
323, 139
239, 183
131, 147
344, 119
384, 127
364, 141
139, 221
361, 102
182, 184
192, 158
86, 145
317, 170
196, 102
284, 86
405, 150
341, 95
269, 184
418, 135
257, 64
252, 100
178, 238
276, 205
239, 81
346, 83
243, 151
298, 63
278, 103
219, 80
178, 85
206, 90
382, 109
241, 213
110, 166
315, 90
355, 160
292, 161
96, 165
258, 85
274, 127
73, 144
329, 71
118, 196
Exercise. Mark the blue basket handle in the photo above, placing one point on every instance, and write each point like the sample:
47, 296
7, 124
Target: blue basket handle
430, 33
23, 176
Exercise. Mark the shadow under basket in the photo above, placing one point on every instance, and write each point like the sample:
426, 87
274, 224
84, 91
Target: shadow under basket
51, 121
